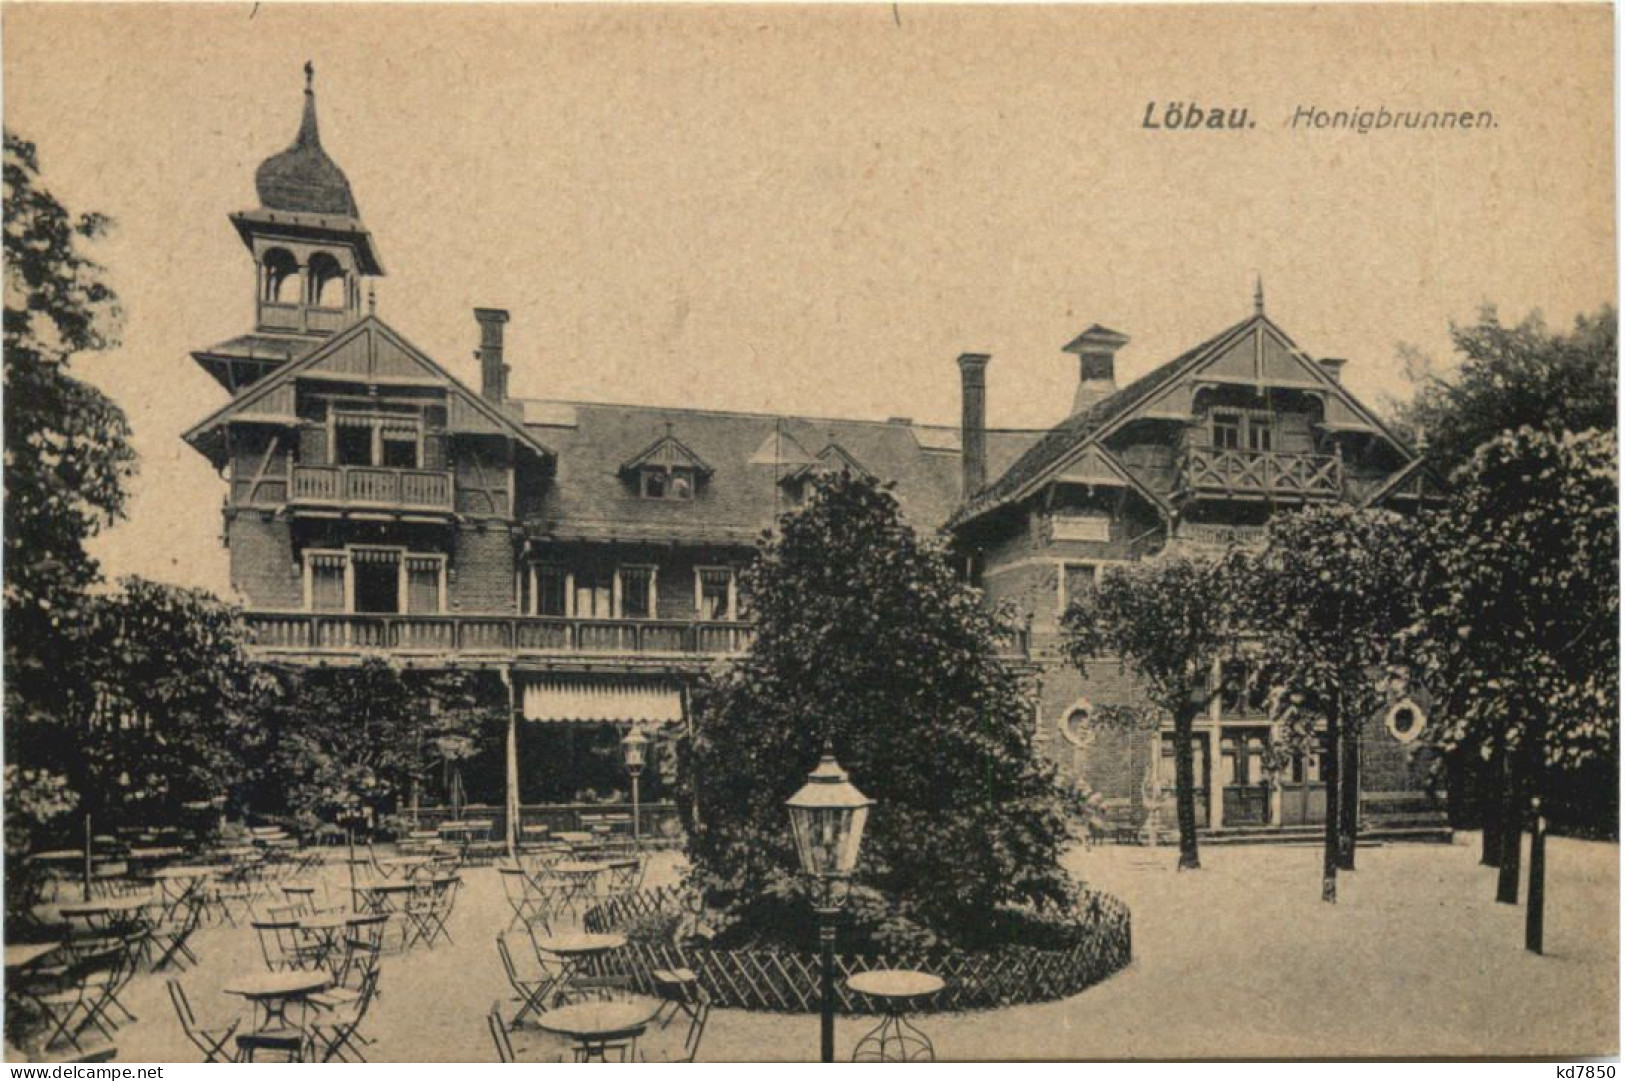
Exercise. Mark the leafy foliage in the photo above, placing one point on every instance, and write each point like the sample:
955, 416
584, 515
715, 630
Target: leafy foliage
67, 455
866, 638
1168, 621
1520, 376
349, 745
1327, 602
1520, 632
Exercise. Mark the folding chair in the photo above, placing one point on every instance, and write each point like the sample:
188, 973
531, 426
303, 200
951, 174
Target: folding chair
506, 1051
532, 990
427, 912
89, 988
522, 897
361, 962
691, 1039
281, 945
170, 937
340, 1039
211, 1041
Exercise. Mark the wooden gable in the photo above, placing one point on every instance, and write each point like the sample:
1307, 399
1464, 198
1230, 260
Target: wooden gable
1090, 468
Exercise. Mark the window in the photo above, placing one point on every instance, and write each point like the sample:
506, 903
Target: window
1077, 581
659, 482
552, 591
1260, 435
394, 442
376, 573
1227, 431
637, 592
1406, 720
326, 581
1074, 726
595, 593
423, 585
383, 581
714, 593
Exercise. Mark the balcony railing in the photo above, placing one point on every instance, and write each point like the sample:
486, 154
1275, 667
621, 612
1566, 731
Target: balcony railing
323, 632
370, 486
1245, 473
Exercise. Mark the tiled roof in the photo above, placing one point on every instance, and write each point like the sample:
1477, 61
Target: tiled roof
742, 496
1077, 429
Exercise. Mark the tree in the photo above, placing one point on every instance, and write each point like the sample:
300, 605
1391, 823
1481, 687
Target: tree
1519, 376
1169, 621
67, 453
865, 638
355, 744
1327, 600
1508, 378
1519, 632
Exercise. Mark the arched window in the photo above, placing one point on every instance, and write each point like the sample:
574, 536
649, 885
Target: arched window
281, 277
326, 281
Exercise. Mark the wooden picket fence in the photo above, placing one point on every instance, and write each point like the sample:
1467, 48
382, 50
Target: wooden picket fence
783, 980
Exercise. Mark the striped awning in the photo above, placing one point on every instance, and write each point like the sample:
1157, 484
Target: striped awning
601, 701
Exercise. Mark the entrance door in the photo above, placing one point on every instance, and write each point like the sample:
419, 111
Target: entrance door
1202, 770
1245, 780
1303, 793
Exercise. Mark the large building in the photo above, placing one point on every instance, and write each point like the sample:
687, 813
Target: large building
589, 552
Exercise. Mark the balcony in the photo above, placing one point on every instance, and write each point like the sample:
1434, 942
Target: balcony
1225, 473
320, 635
303, 318
354, 487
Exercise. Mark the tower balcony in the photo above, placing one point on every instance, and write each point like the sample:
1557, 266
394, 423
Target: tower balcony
352, 488
303, 318
1232, 473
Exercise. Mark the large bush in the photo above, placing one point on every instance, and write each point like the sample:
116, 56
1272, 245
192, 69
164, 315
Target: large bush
866, 639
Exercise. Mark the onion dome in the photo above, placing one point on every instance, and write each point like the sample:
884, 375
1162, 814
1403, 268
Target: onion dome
303, 178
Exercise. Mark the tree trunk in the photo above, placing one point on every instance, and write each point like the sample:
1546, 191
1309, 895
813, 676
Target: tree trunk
1185, 792
1348, 798
1329, 772
1506, 889
1489, 807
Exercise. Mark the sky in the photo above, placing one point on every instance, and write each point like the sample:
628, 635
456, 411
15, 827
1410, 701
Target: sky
815, 210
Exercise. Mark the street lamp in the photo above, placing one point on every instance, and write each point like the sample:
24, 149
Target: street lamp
828, 815
633, 749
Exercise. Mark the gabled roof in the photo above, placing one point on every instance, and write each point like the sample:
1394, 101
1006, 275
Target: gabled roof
367, 351
749, 453
1052, 452
667, 451
832, 459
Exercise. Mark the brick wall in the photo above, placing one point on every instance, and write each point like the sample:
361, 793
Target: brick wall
263, 571
483, 560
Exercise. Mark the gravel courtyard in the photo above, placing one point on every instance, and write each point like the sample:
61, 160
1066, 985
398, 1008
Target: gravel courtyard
1238, 960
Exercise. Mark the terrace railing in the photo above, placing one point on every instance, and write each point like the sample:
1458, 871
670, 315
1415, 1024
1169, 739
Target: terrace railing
340, 633
371, 486
1256, 473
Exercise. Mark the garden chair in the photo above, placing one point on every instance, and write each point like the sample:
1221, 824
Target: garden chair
338, 1038
171, 935
525, 1052
301, 896
211, 1041
88, 990
233, 894
362, 957
287, 1042
533, 988
522, 897
690, 1047
281, 945
428, 910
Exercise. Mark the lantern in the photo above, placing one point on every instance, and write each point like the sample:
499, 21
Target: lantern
633, 751
828, 815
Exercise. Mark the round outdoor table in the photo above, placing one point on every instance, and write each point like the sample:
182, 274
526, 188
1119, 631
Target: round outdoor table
575, 837
575, 951
596, 1026
175, 882
272, 993
105, 914
19, 957
324, 933
580, 880
893, 991
381, 895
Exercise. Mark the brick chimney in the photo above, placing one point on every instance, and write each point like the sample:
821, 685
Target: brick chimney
972, 423
1096, 350
493, 373
1332, 366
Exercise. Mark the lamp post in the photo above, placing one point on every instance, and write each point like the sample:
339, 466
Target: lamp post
828, 815
633, 749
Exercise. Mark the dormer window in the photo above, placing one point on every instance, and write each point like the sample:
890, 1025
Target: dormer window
666, 470
660, 483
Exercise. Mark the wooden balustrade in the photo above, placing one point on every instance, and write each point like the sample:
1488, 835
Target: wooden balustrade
1235, 472
356, 485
